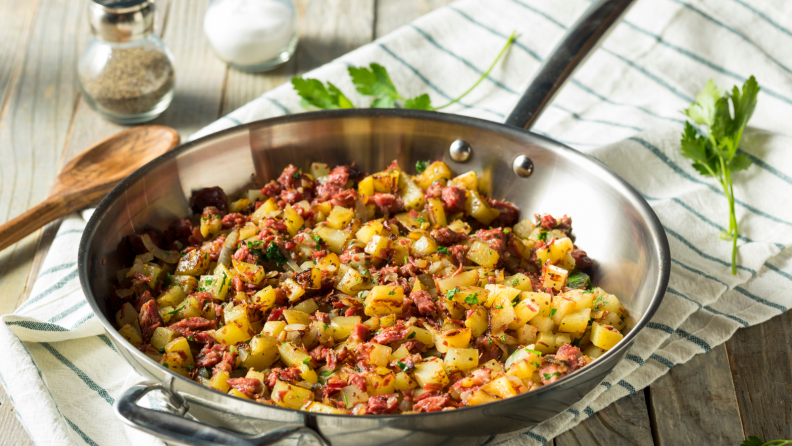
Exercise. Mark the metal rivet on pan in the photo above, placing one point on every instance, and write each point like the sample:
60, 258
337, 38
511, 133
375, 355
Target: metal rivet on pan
523, 166
460, 151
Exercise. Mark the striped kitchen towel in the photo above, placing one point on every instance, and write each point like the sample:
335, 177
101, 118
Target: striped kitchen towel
622, 107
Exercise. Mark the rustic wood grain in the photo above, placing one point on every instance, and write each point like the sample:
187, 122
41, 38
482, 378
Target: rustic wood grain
695, 403
392, 14
761, 363
625, 422
10, 427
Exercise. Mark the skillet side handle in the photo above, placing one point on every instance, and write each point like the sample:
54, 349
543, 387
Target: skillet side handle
582, 38
181, 430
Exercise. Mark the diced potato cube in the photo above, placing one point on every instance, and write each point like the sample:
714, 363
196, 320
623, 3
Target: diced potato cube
481, 397
546, 342
419, 222
524, 228
453, 338
404, 382
126, 315
412, 195
350, 282
378, 246
293, 290
237, 327
249, 230
434, 172
307, 306
544, 324
313, 406
430, 374
527, 334
519, 281
319, 170
216, 284
460, 226
340, 217
424, 246
502, 387
379, 355
381, 382
263, 353
329, 263
210, 225
178, 355
366, 187
561, 307
293, 397
461, 359
335, 239
554, 277
575, 322
131, 334
218, 381
351, 396
383, 300
478, 208
496, 291
370, 229
193, 263
187, 283
291, 354
248, 272
292, 220
265, 297
541, 299
604, 336
467, 180
191, 307
593, 351
524, 311
171, 298
296, 317
420, 334
461, 280
533, 358
483, 255
501, 313
386, 182
273, 328
162, 336
343, 326
477, 322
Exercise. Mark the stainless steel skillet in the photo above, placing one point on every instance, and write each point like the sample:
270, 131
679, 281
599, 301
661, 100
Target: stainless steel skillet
611, 220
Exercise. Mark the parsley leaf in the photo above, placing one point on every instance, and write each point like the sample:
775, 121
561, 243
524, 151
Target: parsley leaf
401, 365
753, 441
179, 308
420, 166
327, 373
714, 153
442, 249
451, 293
542, 235
411, 335
306, 361
553, 312
547, 376
317, 239
375, 81
421, 102
471, 299
535, 352
314, 93
578, 280
274, 254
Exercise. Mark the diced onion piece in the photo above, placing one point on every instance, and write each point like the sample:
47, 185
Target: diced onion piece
228, 248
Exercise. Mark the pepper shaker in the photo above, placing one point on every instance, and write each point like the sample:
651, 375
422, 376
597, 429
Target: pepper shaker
126, 73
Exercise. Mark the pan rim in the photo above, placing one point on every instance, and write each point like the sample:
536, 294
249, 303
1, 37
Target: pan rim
660, 241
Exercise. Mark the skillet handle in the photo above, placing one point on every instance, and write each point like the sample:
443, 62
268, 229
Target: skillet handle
572, 52
181, 430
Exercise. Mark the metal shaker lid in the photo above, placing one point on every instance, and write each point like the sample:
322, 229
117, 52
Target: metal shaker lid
121, 20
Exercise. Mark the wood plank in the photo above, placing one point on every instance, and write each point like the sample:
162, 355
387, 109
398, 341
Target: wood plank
625, 422
761, 363
11, 430
695, 403
34, 127
15, 29
392, 14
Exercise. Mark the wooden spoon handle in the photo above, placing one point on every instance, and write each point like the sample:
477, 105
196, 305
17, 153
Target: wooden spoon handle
53, 207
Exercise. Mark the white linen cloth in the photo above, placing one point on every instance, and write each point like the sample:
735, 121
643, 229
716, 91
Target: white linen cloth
622, 107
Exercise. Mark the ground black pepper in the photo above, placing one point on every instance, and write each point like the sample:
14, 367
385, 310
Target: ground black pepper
133, 81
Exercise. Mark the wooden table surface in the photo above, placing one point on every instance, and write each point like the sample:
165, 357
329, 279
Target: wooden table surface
738, 389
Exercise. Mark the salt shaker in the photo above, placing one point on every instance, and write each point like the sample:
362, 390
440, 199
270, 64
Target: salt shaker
252, 35
126, 72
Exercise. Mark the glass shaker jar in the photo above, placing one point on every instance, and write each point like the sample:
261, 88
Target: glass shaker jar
126, 73
252, 35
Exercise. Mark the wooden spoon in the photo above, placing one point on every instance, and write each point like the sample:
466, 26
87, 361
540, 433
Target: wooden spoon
87, 178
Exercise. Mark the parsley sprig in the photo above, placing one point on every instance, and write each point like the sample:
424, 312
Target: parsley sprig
756, 441
375, 81
714, 153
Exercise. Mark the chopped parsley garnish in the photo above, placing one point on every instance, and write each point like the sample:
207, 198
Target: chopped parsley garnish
516, 282
274, 254
317, 239
420, 220
547, 376
162, 350
451, 293
542, 235
535, 352
498, 307
471, 299
307, 361
346, 401
443, 249
190, 368
515, 301
327, 373
391, 293
179, 308
506, 231
412, 335
401, 365
166, 365
578, 280
420, 166
553, 312
297, 174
